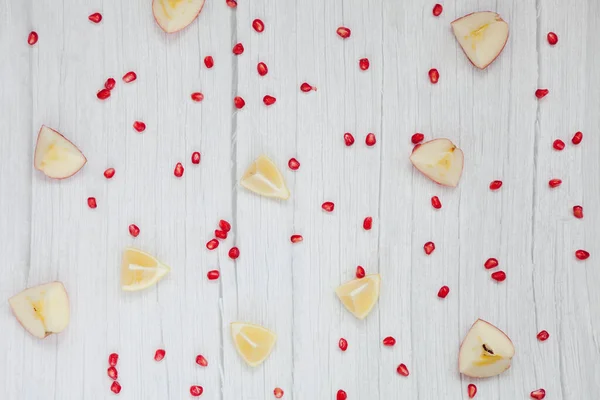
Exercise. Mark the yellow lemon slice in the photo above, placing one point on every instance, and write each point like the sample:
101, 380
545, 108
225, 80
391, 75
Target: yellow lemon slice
140, 270
264, 178
253, 342
360, 295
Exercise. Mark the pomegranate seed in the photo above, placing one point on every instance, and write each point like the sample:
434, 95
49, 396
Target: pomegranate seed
499, 276
110, 84
197, 96
113, 358
577, 137
238, 102
491, 263
370, 140
495, 185
543, 336
109, 173
306, 87
578, 212
238, 49
269, 100
258, 25
434, 76
195, 157
234, 253
343, 32
103, 94
364, 64
196, 390
278, 392
554, 183
436, 203
368, 223
201, 360
538, 394
115, 387
32, 38
582, 254
443, 292
129, 77
360, 272
262, 68
541, 93
343, 344
139, 126
209, 62
220, 234
349, 139
328, 206
212, 244
159, 355
92, 202
231, 3
178, 172
552, 38
389, 341
293, 164
429, 247
224, 225
95, 17
471, 390
213, 274
134, 230
296, 238
437, 10
112, 373
417, 137
402, 370
341, 395
558, 144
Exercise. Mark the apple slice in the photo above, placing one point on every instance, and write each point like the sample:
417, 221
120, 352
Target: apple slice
174, 15
486, 351
440, 160
42, 310
56, 156
482, 36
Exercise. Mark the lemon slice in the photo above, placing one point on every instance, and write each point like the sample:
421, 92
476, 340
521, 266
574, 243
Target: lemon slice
264, 178
140, 270
360, 295
253, 342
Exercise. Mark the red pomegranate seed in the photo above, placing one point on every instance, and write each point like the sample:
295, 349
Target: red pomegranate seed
437, 10
115, 387
370, 140
306, 87
389, 341
293, 164
134, 230
238, 49
495, 185
402, 370
417, 137
197, 96
343, 344
209, 62
343, 32
32, 38
558, 144
434, 76
341, 395
471, 390
234, 253
212, 244
328, 206
231, 3
224, 225
491, 263
213, 274
429, 247
278, 393
368, 223
109, 173
577, 137
543, 336
554, 183
296, 238
196, 390
262, 68
364, 64
436, 203
360, 272
582, 254
578, 212
95, 17
220, 234
129, 77
552, 38
195, 157
443, 292
499, 276
139, 126
159, 355
112, 373
538, 394
238, 102
110, 84
178, 172
258, 25
201, 360
269, 100
349, 139
92, 202
103, 94
113, 359
541, 93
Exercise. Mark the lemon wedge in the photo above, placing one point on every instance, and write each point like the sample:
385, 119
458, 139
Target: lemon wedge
264, 178
359, 296
253, 342
140, 270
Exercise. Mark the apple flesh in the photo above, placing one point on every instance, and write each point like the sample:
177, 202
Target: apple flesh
56, 156
439, 160
486, 351
42, 310
482, 36
174, 15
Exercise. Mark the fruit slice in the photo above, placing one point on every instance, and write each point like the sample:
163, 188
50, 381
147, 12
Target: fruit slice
263, 177
482, 36
253, 342
56, 156
440, 160
486, 351
359, 296
42, 310
140, 270
174, 15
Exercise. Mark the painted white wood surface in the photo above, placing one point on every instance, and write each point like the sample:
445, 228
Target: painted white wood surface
49, 233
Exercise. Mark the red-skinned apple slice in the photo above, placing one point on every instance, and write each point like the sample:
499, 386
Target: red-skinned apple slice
42, 310
56, 156
174, 15
482, 36
440, 160
486, 351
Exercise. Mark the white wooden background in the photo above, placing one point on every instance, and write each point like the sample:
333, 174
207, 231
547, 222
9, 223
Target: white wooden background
48, 232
